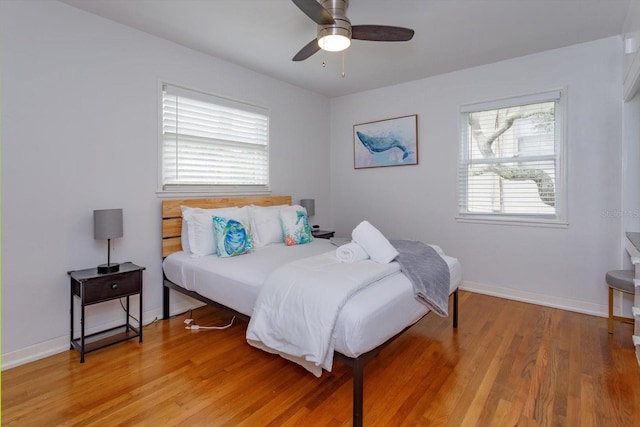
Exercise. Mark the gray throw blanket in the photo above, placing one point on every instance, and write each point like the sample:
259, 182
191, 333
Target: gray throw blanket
428, 273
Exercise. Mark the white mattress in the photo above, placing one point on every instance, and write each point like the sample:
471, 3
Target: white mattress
368, 319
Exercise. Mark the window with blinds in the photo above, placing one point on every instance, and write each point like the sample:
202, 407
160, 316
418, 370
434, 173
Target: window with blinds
212, 144
511, 160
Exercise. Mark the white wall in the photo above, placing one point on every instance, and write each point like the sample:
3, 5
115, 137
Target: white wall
561, 267
79, 132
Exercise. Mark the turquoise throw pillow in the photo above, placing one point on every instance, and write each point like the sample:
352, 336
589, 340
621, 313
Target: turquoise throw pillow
233, 237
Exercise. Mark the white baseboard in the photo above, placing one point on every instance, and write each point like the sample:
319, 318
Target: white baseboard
35, 352
61, 344
600, 310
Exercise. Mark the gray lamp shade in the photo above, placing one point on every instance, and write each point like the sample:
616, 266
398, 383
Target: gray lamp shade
107, 224
309, 205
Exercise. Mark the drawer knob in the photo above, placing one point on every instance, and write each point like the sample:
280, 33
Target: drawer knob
114, 286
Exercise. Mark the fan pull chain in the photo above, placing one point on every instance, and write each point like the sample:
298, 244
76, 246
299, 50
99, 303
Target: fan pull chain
343, 73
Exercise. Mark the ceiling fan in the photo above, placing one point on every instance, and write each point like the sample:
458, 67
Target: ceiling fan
335, 30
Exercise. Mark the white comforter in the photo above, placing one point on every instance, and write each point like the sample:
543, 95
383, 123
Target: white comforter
297, 308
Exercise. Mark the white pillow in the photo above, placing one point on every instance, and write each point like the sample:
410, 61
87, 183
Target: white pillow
265, 224
200, 226
184, 235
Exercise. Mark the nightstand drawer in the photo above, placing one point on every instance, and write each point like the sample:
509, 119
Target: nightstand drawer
112, 286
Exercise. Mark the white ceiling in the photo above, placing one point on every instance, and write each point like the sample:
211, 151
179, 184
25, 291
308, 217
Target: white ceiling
263, 35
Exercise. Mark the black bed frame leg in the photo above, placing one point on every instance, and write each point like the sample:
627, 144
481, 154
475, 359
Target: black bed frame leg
358, 368
358, 394
165, 302
455, 309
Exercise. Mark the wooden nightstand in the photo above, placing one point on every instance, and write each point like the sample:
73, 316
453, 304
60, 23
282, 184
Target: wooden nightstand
94, 288
322, 234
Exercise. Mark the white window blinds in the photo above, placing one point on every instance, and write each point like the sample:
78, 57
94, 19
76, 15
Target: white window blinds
511, 163
213, 144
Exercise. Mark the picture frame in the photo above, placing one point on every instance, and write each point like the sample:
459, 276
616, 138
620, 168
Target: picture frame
388, 142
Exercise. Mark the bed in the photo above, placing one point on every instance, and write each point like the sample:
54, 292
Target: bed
368, 322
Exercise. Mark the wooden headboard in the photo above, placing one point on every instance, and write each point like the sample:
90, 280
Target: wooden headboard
172, 215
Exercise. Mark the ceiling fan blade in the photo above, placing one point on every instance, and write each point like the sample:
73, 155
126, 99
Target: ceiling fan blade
304, 53
381, 33
315, 11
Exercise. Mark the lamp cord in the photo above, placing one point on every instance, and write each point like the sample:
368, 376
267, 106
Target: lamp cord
134, 318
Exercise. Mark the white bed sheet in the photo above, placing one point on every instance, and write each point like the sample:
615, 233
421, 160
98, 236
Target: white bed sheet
368, 319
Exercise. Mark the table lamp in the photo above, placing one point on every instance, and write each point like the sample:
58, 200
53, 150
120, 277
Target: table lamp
309, 205
107, 224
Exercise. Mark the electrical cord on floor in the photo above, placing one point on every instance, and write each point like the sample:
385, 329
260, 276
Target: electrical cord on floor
196, 327
188, 321
155, 319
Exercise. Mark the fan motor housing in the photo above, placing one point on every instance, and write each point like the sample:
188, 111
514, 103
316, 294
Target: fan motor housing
336, 7
340, 28
342, 25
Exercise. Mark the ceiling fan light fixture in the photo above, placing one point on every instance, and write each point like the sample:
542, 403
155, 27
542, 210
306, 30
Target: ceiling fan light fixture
335, 37
335, 30
334, 42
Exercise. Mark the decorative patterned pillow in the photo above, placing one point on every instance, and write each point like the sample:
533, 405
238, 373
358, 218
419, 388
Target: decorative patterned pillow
295, 226
233, 237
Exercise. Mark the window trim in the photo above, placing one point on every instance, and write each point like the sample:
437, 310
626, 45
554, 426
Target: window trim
177, 191
559, 220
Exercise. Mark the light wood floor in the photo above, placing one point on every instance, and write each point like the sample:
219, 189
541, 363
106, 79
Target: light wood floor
509, 363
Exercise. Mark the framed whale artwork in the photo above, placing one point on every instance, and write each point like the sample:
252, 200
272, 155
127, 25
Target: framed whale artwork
390, 142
